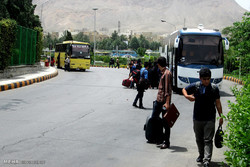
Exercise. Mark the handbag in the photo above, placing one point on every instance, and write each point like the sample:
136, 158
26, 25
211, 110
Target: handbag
171, 115
218, 139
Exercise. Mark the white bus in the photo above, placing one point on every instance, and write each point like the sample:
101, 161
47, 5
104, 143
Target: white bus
195, 49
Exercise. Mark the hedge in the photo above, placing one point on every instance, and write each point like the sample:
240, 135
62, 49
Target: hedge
237, 137
7, 41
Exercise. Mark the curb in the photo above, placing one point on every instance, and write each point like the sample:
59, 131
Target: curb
233, 79
27, 82
106, 66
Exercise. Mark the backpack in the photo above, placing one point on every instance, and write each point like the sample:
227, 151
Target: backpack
136, 75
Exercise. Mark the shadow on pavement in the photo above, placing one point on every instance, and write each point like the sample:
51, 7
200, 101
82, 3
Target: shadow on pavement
214, 164
178, 149
224, 94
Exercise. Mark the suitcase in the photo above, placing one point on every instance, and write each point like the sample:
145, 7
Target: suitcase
126, 82
154, 129
171, 115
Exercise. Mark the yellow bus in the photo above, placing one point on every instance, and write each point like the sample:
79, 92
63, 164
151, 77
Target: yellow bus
78, 53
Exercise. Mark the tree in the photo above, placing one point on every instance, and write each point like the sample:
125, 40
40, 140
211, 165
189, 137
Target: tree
68, 36
141, 51
114, 36
154, 45
20, 11
7, 41
134, 43
47, 40
143, 42
81, 37
239, 38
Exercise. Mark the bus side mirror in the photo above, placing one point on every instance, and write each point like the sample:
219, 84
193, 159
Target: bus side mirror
226, 43
176, 42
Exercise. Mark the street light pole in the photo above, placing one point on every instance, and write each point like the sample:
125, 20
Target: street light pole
162, 20
95, 9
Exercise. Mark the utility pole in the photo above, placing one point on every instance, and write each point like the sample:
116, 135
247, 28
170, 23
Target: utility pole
95, 9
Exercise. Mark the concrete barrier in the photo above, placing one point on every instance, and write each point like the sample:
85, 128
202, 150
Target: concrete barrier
234, 80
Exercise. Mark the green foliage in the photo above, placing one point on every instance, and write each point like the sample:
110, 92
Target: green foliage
114, 41
134, 43
7, 41
237, 137
68, 36
39, 43
106, 59
21, 11
151, 58
141, 51
239, 52
143, 42
154, 45
81, 37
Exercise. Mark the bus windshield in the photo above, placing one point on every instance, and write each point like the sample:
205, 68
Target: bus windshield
80, 51
201, 50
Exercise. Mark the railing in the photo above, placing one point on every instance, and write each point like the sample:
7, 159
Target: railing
24, 52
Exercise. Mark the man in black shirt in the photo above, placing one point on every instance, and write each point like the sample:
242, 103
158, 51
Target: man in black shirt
206, 97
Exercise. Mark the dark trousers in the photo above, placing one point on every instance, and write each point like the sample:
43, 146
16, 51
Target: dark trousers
157, 110
139, 96
204, 133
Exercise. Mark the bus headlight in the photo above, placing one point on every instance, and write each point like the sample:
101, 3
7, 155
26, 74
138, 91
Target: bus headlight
183, 79
217, 80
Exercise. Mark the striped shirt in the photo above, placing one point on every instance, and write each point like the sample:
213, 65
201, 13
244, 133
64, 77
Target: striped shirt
165, 86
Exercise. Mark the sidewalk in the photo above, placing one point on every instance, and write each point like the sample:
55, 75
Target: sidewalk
28, 79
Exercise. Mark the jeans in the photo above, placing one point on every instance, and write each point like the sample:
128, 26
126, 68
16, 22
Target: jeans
139, 96
157, 110
204, 133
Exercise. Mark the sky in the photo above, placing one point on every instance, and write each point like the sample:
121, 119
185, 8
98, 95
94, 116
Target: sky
244, 3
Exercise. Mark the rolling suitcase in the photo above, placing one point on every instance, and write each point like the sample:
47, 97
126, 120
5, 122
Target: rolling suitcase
154, 129
126, 82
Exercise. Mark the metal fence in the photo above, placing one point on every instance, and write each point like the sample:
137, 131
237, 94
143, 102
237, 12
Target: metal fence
24, 52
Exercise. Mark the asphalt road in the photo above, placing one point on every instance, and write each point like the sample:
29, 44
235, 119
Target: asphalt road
86, 119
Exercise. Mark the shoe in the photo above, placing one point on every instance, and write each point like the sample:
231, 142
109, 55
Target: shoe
199, 159
135, 105
141, 107
165, 145
206, 164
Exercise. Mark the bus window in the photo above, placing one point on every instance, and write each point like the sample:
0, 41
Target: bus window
80, 51
201, 50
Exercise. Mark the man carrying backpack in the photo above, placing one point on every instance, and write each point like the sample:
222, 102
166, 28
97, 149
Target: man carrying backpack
206, 97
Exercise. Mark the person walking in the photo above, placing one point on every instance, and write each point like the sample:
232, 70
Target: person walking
162, 103
67, 64
117, 63
135, 74
206, 98
141, 86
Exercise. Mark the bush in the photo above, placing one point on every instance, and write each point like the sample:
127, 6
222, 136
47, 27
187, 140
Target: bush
237, 133
7, 41
39, 43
